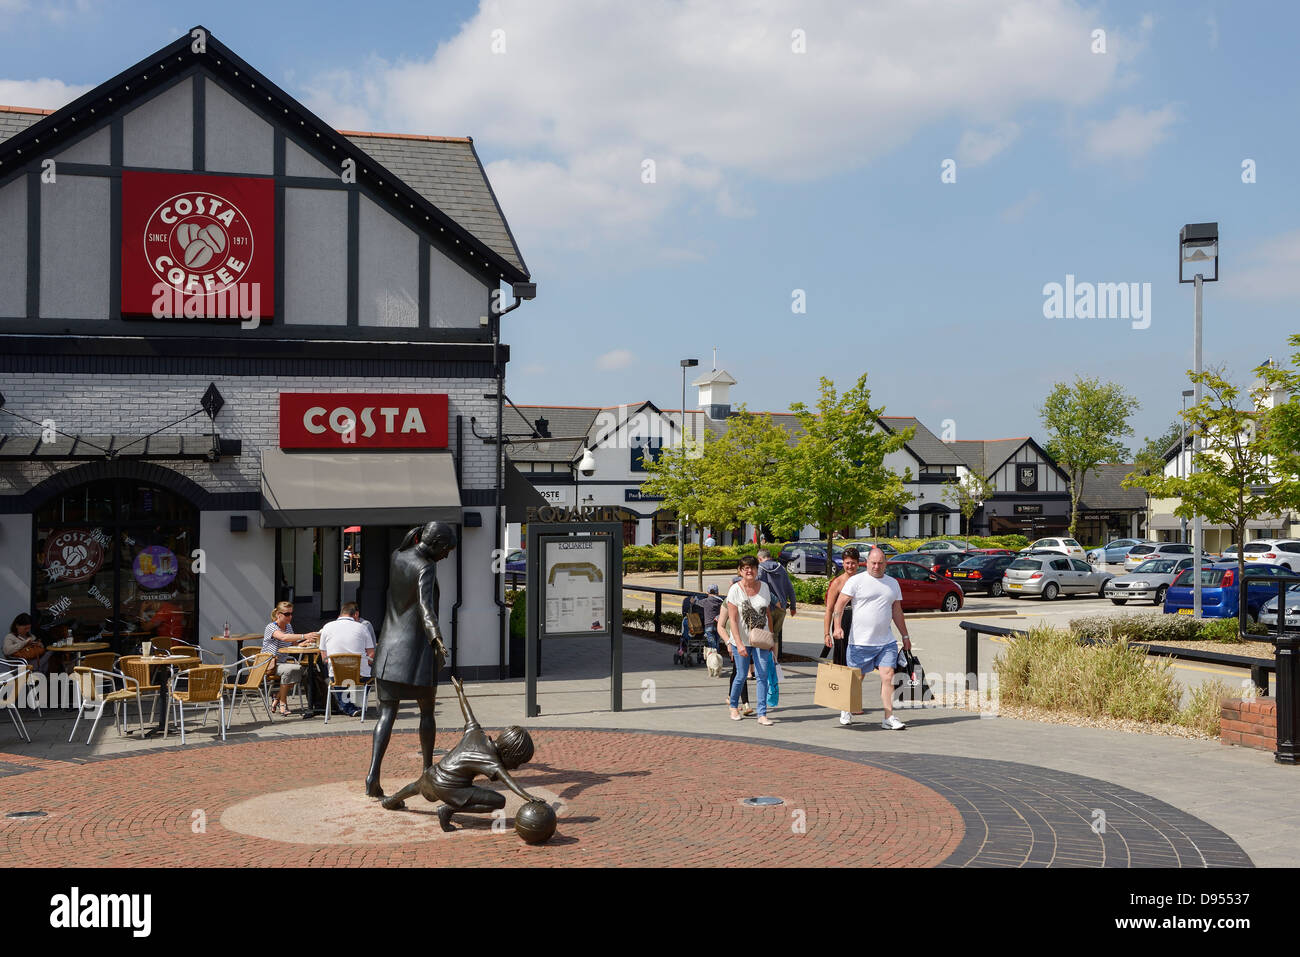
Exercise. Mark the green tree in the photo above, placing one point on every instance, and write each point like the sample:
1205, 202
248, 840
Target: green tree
968, 494
1281, 440
835, 474
682, 475
1085, 423
1231, 481
1150, 459
746, 462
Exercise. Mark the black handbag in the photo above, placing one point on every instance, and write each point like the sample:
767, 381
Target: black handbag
909, 680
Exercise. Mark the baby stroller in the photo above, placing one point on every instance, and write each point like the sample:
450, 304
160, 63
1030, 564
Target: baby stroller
690, 650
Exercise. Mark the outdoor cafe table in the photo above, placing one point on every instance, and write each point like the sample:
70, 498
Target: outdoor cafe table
307, 651
175, 662
251, 636
79, 648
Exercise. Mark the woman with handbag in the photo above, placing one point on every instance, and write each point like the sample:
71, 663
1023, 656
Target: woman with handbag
749, 622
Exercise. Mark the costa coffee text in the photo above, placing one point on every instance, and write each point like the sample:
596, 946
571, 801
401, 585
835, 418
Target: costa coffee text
352, 421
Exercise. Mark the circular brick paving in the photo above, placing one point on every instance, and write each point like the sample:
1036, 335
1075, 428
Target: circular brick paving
623, 798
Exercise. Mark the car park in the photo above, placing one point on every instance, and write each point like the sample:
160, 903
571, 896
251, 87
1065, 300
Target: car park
1062, 546
941, 563
809, 558
1219, 591
922, 589
864, 547
1140, 553
1284, 552
983, 573
1047, 576
1112, 553
1268, 611
1148, 582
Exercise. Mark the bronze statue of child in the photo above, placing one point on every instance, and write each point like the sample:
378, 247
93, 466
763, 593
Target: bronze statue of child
451, 780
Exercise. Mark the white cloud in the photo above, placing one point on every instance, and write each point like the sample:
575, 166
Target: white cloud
977, 147
1130, 134
1021, 207
588, 89
45, 94
618, 359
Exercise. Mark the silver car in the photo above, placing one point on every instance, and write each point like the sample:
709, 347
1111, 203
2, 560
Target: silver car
1048, 576
944, 545
1148, 582
1268, 612
1148, 550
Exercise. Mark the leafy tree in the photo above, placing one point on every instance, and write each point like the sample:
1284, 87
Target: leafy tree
835, 475
1281, 440
746, 462
1231, 481
1084, 426
1150, 459
968, 494
682, 476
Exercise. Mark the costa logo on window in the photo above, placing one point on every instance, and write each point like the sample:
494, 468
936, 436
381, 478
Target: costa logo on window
197, 247
362, 420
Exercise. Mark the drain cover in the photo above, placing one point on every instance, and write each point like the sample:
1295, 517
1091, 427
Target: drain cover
762, 801
26, 814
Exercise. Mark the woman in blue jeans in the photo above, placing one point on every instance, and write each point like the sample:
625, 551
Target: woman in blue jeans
749, 606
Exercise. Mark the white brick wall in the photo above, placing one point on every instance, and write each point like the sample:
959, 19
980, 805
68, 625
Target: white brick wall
139, 404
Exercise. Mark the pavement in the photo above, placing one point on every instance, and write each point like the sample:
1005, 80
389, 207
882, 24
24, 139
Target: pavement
660, 783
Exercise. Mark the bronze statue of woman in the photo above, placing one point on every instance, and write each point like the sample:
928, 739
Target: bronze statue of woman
411, 652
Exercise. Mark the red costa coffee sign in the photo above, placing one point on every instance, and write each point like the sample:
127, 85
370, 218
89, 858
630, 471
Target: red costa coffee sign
74, 555
362, 420
201, 243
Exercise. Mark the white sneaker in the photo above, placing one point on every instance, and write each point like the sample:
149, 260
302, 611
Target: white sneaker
845, 717
892, 724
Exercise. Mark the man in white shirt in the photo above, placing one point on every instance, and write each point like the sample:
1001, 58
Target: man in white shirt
349, 635
877, 603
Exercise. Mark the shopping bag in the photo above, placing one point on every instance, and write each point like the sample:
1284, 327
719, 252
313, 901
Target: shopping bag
910, 690
838, 687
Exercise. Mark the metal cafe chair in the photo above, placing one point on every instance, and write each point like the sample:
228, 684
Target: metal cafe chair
100, 688
346, 677
203, 686
253, 680
12, 680
22, 679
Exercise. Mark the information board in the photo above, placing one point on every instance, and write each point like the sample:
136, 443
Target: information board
575, 588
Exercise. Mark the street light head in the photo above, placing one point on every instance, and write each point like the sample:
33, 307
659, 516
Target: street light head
1198, 243
1188, 393
689, 363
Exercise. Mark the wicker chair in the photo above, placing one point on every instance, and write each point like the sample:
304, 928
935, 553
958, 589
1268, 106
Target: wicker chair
12, 679
253, 680
202, 687
101, 689
345, 676
135, 668
100, 661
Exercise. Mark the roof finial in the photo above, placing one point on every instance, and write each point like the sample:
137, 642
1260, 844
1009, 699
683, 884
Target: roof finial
715, 358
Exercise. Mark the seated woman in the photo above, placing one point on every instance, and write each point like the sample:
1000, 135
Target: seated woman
278, 634
21, 643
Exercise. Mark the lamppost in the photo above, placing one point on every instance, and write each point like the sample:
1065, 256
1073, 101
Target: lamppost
1182, 454
681, 548
1197, 243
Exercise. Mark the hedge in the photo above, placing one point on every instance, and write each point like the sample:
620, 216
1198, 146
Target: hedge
1155, 627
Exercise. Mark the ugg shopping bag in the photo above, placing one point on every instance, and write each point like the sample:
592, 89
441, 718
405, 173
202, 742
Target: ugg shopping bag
838, 687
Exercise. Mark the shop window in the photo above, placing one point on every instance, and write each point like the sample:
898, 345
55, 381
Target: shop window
113, 558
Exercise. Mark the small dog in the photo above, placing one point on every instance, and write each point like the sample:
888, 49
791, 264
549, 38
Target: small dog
714, 661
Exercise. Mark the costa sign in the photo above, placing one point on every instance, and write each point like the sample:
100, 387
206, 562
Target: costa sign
202, 239
75, 554
352, 421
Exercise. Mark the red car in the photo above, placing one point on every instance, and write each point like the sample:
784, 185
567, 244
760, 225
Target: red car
924, 590
991, 551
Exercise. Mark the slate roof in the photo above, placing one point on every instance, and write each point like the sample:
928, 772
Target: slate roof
15, 119
561, 420
1104, 492
446, 171
925, 445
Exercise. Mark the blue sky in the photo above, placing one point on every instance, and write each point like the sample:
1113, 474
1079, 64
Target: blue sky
819, 171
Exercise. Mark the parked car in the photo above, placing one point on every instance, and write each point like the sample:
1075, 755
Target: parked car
1112, 553
1140, 553
517, 561
1062, 546
1219, 590
944, 545
991, 551
1229, 554
1274, 551
1148, 582
809, 558
924, 590
1051, 575
983, 573
1268, 611
941, 563
864, 547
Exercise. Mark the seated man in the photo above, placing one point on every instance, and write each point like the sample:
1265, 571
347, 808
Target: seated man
451, 780
349, 635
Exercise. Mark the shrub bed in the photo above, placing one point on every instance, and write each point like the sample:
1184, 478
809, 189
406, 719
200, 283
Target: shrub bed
1158, 628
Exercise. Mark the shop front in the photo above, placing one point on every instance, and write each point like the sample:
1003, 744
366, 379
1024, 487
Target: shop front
234, 341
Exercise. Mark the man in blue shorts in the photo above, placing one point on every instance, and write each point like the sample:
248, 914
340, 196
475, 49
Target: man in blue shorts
877, 603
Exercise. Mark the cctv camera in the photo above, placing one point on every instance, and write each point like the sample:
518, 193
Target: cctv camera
587, 464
